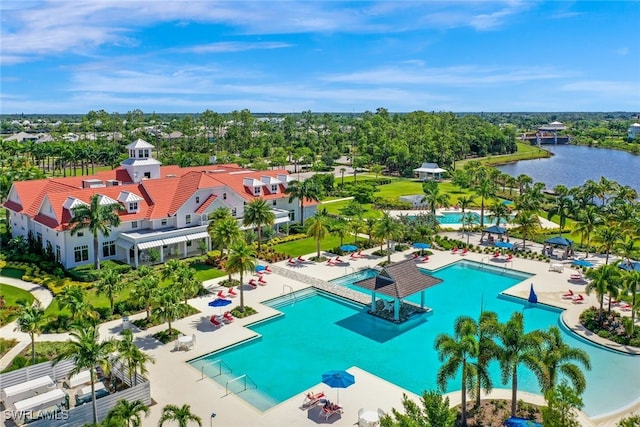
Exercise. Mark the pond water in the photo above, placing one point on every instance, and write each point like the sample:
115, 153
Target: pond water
572, 166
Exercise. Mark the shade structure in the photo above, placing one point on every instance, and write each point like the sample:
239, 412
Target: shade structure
219, 302
421, 245
630, 265
348, 248
533, 298
495, 230
507, 245
260, 268
582, 263
559, 240
338, 379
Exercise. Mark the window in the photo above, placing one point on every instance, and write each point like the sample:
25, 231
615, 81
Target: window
108, 248
80, 233
134, 224
58, 253
292, 215
187, 219
146, 153
197, 199
234, 211
224, 196
256, 191
147, 175
132, 154
81, 253
141, 153
188, 242
274, 188
273, 203
163, 222
133, 206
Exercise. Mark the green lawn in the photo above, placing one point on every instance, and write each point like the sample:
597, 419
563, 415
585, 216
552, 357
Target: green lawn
206, 272
13, 295
12, 272
309, 245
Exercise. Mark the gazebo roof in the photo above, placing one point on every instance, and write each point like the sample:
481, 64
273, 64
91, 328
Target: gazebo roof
495, 230
399, 280
559, 240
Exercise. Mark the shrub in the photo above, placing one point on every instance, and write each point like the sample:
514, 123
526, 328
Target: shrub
248, 311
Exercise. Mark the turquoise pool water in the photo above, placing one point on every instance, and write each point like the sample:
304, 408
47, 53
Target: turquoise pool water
319, 332
456, 217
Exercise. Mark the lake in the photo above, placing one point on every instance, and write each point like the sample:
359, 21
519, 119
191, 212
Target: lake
572, 165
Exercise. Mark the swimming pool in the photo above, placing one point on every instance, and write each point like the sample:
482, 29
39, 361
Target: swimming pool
290, 353
456, 217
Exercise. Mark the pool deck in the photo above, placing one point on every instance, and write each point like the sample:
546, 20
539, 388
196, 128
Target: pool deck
173, 381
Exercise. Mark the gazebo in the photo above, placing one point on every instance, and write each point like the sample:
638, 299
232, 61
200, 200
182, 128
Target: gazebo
494, 229
398, 281
429, 171
558, 241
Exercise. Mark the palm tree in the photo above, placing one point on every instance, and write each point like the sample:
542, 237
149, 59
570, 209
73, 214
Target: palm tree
433, 196
342, 171
631, 282
98, 219
388, 228
527, 223
132, 356
457, 353
109, 283
224, 232
30, 320
258, 214
499, 212
340, 228
486, 330
518, 348
241, 259
307, 190
317, 228
126, 413
561, 205
558, 357
86, 351
185, 279
486, 189
181, 414
588, 220
465, 202
602, 281
608, 238
168, 305
73, 298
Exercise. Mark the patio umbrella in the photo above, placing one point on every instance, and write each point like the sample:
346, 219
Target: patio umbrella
422, 246
260, 268
533, 298
630, 266
338, 379
559, 240
219, 302
506, 245
494, 229
348, 248
582, 263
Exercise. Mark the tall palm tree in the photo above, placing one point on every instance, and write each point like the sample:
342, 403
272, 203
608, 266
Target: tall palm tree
631, 283
499, 212
88, 352
433, 196
132, 356
145, 289
486, 189
458, 353
558, 357
608, 238
126, 413
303, 191
340, 229
241, 259
185, 279
527, 223
110, 284
388, 228
588, 220
224, 232
73, 298
258, 214
168, 306
317, 228
486, 330
181, 414
30, 320
561, 205
98, 219
603, 279
518, 347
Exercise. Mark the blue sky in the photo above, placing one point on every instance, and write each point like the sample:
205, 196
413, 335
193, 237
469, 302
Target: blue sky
67, 56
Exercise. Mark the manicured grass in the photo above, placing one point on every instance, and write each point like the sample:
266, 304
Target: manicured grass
309, 245
6, 345
45, 351
13, 295
525, 151
93, 298
12, 272
334, 209
206, 272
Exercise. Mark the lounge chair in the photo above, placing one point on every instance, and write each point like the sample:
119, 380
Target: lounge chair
228, 317
568, 295
359, 254
291, 261
253, 283
415, 255
215, 322
329, 410
496, 254
464, 251
338, 259
221, 294
353, 257
311, 399
509, 258
425, 258
267, 270
231, 293
262, 281
578, 299
301, 259
576, 277
625, 306
454, 250
330, 261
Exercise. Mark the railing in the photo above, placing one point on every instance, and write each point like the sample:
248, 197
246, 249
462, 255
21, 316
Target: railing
248, 383
291, 293
220, 363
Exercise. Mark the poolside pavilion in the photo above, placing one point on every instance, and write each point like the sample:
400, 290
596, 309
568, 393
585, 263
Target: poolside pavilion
398, 281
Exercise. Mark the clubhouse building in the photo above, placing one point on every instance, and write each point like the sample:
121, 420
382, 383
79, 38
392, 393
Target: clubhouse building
166, 208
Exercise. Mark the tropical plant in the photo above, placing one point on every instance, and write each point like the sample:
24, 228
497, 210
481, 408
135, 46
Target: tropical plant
527, 223
168, 306
30, 320
563, 402
608, 238
224, 232
126, 413
486, 330
433, 196
109, 283
98, 219
561, 205
241, 259
145, 289
499, 212
558, 357
388, 228
435, 412
518, 348
185, 279
73, 298
258, 214
588, 220
88, 352
603, 279
631, 283
134, 358
303, 191
458, 353
181, 414
485, 189
317, 228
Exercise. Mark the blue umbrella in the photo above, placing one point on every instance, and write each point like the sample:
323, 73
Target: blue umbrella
507, 245
495, 230
219, 302
559, 240
260, 268
420, 245
338, 379
582, 263
533, 298
630, 266
348, 248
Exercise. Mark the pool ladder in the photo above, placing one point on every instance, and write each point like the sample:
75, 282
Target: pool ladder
291, 293
222, 368
248, 384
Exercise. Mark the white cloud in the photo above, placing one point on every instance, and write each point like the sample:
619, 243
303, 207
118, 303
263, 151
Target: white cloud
233, 47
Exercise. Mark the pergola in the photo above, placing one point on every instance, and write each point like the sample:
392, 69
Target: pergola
398, 281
